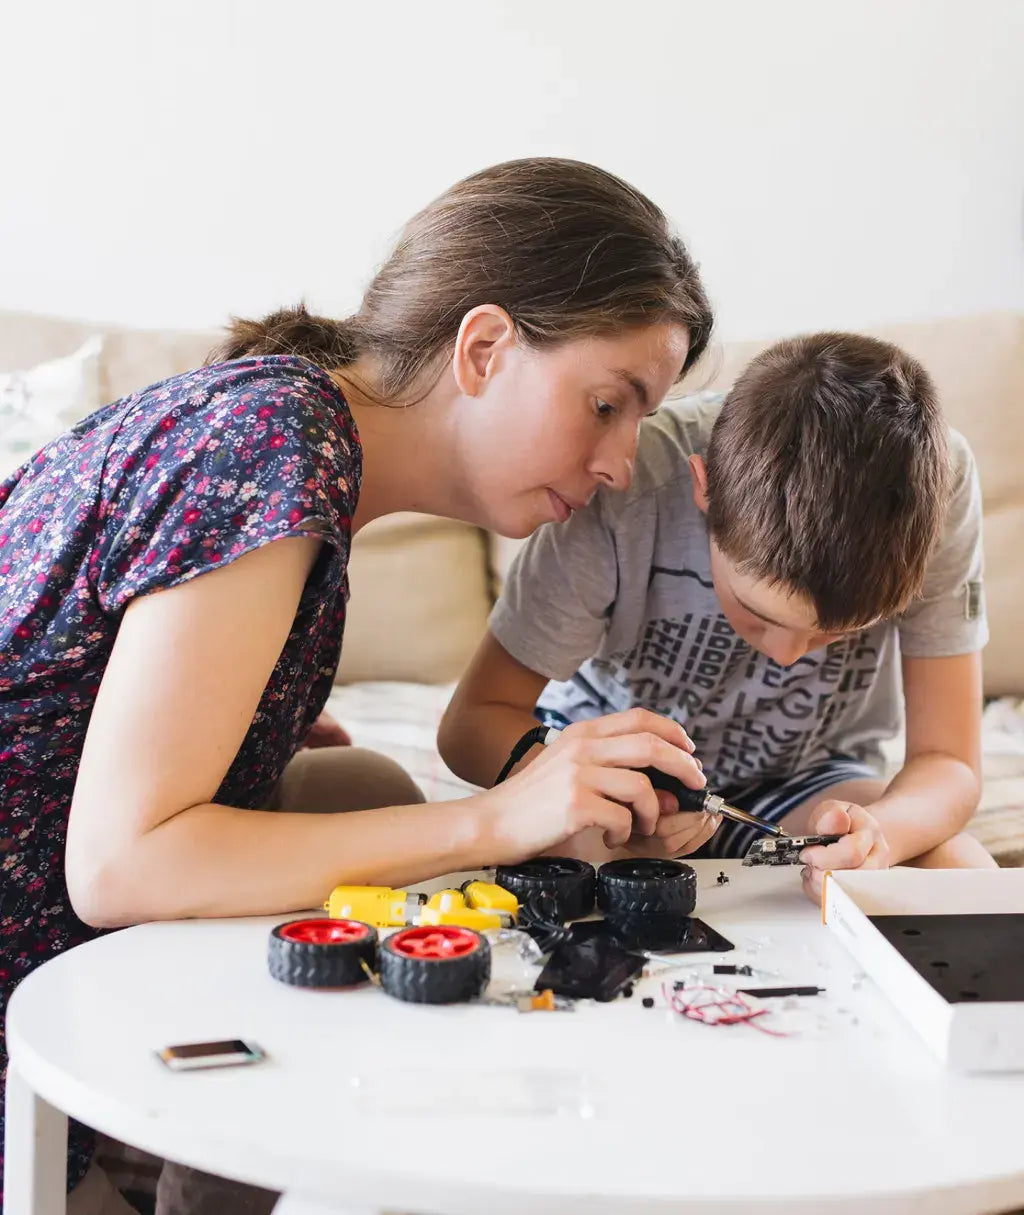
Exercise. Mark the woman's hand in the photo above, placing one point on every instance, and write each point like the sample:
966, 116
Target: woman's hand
588, 778
326, 732
678, 833
863, 845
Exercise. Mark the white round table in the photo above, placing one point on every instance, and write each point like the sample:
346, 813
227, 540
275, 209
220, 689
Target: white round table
365, 1103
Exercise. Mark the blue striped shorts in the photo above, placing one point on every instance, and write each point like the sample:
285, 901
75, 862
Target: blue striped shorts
772, 800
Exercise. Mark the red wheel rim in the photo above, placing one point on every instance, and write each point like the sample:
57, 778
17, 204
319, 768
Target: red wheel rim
438, 944
324, 932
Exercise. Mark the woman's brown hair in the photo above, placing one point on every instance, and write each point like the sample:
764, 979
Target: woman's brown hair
565, 248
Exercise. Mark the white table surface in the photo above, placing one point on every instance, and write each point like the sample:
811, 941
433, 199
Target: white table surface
366, 1103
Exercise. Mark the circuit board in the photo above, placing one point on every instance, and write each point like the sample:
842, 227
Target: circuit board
784, 849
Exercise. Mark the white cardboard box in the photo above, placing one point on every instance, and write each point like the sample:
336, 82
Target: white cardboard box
975, 1035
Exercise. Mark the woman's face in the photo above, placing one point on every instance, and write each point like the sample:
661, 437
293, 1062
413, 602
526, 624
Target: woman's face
546, 428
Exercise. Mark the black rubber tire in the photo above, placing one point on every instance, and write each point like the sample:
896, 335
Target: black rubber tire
646, 886
296, 956
568, 883
434, 980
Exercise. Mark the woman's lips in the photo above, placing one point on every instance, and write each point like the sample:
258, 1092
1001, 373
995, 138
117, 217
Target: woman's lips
562, 508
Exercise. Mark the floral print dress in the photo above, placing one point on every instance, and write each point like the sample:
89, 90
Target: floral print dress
144, 494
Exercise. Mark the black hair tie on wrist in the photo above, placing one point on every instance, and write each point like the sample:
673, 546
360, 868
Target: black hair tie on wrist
530, 739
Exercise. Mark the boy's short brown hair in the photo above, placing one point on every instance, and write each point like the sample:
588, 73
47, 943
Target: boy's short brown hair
828, 474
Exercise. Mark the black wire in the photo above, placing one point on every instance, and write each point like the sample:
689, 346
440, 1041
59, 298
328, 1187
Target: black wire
538, 918
529, 739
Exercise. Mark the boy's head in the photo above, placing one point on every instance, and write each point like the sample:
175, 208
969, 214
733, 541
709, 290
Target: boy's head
825, 488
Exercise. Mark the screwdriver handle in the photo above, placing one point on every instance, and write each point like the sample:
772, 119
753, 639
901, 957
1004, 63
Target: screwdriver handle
688, 799
704, 799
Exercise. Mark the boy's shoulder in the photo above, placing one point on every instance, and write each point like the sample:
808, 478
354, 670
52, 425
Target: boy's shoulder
681, 428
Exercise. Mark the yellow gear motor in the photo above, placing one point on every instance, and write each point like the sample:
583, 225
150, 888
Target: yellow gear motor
478, 905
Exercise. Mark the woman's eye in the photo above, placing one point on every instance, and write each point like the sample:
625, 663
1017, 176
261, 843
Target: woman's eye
604, 409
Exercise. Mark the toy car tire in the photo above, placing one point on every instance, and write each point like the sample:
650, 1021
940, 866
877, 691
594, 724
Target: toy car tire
322, 952
646, 886
435, 965
568, 883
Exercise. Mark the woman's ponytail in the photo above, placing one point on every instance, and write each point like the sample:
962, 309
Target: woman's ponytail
294, 331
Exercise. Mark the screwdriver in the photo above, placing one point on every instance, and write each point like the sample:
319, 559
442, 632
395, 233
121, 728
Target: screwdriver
700, 800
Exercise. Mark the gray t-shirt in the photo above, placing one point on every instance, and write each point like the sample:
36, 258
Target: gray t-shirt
617, 607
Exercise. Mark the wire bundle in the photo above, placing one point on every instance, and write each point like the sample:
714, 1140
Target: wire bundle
715, 1006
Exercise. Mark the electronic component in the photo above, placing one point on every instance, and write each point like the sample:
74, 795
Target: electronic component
192, 1055
784, 850
775, 993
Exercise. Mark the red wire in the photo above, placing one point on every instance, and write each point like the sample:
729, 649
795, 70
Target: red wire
730, 1007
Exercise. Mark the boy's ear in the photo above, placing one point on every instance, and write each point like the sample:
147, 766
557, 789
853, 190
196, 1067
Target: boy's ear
699, 473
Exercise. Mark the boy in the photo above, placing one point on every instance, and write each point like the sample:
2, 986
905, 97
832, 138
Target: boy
778, 562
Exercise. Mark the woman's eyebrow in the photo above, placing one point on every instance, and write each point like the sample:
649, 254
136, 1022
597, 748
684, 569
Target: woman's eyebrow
637, 385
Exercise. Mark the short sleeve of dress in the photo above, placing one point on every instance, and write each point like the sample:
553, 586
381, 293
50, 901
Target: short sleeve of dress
203, 472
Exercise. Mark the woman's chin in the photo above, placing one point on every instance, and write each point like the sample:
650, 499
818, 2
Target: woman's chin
516, 520
516, 531
515, 526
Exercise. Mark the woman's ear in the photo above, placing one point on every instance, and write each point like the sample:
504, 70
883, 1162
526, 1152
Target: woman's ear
485, 335
699, 474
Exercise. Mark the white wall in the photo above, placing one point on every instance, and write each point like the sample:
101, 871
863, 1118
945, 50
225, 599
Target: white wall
830, 161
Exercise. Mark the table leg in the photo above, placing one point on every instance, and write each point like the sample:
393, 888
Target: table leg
35, 1151
292, 1204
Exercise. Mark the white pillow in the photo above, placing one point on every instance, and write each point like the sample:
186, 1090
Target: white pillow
38, 405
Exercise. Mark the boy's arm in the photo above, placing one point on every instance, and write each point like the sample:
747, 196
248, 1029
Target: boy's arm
550, 618
491, 710
941, 636
934, 795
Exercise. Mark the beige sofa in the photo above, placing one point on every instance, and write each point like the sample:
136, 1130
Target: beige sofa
422, 588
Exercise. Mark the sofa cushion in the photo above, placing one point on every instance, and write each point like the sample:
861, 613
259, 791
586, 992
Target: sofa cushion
39, 403
419, 600
132, 358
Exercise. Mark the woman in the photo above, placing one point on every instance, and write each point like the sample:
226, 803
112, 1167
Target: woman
174, 569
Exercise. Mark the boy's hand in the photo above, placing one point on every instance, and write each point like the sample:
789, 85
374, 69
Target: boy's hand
863, 845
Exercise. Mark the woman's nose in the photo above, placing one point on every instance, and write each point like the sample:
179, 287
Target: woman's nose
613, 464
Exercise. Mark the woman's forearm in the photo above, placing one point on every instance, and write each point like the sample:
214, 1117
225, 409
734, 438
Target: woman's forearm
214, 860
